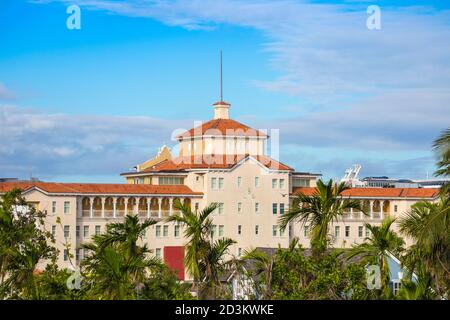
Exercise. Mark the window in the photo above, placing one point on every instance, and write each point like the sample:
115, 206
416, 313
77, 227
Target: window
395, 208
239, 229
337, 231
281, 232
396, 285
176, 231
66, 207
300, 183
66, 255
54, 207
158, 253
274, 183
347, 231
274, 230
77, 255
213, 230
221, 231
53, 230
367, 232
239, 207
66, 231
220, 183
85, 252
274, 208
171, 180
77, 231
220, 208
281, 183
196, 206
214, 183
86, 231
165, 231
158, 231
97, 230
239, 180
141, 180
256, 207
305, 231
281, 208
360, 231
239, 252
256, 229
256, 182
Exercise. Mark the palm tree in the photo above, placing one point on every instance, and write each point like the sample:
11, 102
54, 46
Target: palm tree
204, 258
197, 228
442, 147
263, 267
377, 248
428, 224
116, 264
127, 233
419, 288
213, 265
320, 210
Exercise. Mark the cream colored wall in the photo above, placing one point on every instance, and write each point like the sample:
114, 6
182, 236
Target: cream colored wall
222, 145
248, 195
45, 204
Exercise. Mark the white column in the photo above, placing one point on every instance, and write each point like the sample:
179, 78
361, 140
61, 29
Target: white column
136, 207
371, 210
114, 207
103, 207
126, 207
148, 207
170, 206
159, 207
91, 208
79, 207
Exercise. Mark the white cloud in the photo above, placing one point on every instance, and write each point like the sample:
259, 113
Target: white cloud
5, 93
61, 144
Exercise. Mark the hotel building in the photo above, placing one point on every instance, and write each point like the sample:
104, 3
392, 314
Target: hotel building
221, 161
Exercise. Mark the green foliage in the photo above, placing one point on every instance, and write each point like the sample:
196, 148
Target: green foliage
296, 276
319, 211
204, 258
24, 244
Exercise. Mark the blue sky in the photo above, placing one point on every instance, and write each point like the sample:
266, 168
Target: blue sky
85, 105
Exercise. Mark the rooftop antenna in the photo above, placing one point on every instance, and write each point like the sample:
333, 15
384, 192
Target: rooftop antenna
221, 78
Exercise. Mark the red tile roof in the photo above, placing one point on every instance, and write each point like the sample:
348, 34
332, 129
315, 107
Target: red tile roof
212, 162
378, 192
97, 188
222, 127
221, 103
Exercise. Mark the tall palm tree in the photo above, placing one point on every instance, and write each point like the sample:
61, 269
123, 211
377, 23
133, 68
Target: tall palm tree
263, 267
428, 224
377, 248
442, 147
116, 263
126, 233
213, 265
204, 258
197, 229
112, 273
320, 210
